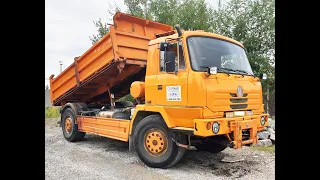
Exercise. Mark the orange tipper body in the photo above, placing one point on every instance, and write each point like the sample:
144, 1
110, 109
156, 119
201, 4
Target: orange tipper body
190, 88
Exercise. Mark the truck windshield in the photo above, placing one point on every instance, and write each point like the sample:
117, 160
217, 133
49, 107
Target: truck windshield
207, 52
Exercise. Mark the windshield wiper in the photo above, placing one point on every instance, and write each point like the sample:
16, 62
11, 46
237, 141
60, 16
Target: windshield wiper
230, 71
226, 70
245, 72
236, 71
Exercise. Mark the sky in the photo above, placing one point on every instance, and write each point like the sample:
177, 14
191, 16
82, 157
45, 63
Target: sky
68, 25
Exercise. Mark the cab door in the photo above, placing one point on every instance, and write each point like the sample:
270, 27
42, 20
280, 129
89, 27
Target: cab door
172, 87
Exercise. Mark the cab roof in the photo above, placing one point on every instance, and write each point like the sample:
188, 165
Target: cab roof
195, 33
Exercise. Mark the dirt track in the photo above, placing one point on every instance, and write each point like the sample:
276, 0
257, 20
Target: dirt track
102, 158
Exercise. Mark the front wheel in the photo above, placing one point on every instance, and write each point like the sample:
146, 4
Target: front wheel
154, 145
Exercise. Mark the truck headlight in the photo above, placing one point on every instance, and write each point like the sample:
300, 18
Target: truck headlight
215, 127
262, 121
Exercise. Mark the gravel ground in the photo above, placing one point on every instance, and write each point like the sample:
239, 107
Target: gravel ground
102, 158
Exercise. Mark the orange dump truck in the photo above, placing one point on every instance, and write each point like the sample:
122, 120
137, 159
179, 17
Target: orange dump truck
190, 89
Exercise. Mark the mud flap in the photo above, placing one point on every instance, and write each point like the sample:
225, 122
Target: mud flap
131, 147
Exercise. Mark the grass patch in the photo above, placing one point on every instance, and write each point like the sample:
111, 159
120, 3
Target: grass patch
52, 112
264, 148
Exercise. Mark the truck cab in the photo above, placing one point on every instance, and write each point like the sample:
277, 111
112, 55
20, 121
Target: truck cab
204, 89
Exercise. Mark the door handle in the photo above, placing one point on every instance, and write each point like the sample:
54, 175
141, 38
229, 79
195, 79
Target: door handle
159, 87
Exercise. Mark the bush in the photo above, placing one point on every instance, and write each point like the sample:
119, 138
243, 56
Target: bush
126, 98
52, 112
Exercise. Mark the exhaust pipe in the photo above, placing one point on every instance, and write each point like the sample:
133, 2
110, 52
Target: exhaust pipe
177, 27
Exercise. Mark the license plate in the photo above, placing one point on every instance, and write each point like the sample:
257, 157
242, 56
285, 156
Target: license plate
239, 113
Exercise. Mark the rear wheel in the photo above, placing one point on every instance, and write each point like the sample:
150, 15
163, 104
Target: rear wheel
153, 143
69, 128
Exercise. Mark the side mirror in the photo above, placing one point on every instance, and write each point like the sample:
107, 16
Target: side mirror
170, 63
164, 46
263, 76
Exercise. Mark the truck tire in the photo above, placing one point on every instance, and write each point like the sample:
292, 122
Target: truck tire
153, 142
212, 147
69, 128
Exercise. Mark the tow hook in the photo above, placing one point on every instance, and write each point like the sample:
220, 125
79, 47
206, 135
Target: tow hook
189, 147
183, 145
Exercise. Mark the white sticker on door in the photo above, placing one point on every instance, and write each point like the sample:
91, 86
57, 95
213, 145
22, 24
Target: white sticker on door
173, 93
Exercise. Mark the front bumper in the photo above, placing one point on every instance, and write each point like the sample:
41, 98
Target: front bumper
235, 125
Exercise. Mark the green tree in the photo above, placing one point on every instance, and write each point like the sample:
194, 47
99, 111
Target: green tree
190, 14
102, 30
139, 8
164, 11
102, 27
194, 15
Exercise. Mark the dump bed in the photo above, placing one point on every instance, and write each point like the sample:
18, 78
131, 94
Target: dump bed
113, 63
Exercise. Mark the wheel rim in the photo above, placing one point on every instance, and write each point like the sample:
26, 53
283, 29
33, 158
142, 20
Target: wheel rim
68, 125
155, 142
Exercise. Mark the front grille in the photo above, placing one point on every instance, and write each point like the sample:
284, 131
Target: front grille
229, 101
235, 95
239, 106
238, 100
